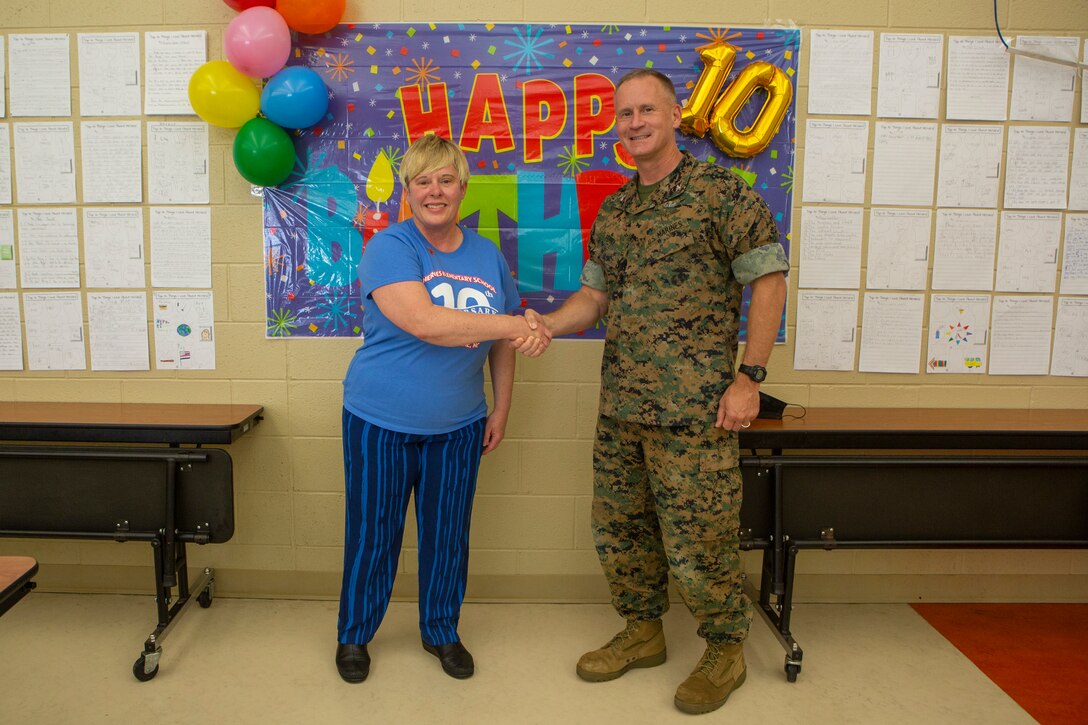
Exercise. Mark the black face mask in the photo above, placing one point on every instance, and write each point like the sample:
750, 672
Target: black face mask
770, 407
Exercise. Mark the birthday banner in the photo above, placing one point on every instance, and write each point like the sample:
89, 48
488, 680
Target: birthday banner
531, 106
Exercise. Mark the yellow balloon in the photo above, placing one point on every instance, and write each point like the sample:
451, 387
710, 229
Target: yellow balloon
222, 96
379, 184
717, 60
723, 120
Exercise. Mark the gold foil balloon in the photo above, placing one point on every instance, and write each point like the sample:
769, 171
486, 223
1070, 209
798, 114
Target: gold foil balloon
723, 119
717, 62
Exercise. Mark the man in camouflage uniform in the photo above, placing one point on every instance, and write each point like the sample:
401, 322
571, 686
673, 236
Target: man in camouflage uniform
670, 253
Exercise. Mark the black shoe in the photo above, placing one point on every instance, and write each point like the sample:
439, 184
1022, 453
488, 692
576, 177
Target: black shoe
455, 659
353, 662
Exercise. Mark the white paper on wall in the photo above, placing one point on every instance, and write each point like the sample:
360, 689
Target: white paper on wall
970, 168
958, 331
109, 74
184, 331
48, 248
5, 163
118, 324
909, 79
904, 164
1036, 167
41, 82
181, 247
170, 59
835, 160
1071, 338
1043, 91
964, 250
113, 169
826, 324
45, 163
1078, 175
891, 330
113, 246
840, 72
1020, 335
898, 250
978, 79
7, 249
11, 333
1027, 254
1075, 255
177, 163
830, 247
54, 331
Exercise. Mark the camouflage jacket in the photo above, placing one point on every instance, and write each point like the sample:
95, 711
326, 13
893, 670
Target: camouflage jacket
674, 268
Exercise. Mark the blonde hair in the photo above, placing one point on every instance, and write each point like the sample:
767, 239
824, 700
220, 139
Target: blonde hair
430, 153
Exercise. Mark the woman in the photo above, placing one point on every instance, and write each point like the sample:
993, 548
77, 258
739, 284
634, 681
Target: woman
415, 419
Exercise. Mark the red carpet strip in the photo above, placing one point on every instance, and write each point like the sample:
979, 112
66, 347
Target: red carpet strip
1036, 653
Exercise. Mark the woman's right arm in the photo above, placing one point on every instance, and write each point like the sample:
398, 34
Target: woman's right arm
409, 307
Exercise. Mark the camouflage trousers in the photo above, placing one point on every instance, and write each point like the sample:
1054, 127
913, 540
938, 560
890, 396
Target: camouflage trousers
667, 499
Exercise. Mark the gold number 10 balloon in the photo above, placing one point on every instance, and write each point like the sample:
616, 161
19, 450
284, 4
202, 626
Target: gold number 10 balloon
697, 116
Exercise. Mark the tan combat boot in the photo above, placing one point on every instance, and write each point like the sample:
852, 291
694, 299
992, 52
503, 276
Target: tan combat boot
720, 671
641, 644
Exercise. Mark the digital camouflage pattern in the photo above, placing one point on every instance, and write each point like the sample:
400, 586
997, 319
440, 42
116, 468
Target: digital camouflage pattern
691, 474
667, 486
674, 271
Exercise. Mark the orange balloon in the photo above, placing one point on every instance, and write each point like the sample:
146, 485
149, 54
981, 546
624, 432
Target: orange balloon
717, 60
311, 16
723, 120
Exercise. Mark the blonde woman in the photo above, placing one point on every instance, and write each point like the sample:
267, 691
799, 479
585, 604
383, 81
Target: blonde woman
435, 296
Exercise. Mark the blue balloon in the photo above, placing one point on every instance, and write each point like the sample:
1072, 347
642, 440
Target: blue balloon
296, 97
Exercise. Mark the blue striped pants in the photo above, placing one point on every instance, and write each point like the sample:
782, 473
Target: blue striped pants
381, 468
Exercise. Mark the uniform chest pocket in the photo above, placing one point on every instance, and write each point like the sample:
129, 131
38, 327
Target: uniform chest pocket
676, 239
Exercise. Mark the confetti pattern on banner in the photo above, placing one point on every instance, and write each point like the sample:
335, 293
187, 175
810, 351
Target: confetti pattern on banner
531, 105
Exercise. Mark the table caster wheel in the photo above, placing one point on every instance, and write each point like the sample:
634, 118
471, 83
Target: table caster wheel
204, 599
791, 671
139, 669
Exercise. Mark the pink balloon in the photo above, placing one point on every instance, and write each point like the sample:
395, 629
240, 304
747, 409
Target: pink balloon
257, 42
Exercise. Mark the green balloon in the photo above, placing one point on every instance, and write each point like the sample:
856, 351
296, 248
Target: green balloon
263, 152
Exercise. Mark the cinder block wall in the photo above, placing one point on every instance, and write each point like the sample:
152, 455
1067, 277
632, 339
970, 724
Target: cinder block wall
531, 523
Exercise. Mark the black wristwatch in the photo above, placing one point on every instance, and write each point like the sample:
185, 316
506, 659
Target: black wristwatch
758, 373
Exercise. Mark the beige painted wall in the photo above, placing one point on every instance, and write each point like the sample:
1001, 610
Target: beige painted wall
531, 527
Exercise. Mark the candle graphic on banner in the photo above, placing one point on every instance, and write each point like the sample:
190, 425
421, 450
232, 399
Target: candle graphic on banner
379, 187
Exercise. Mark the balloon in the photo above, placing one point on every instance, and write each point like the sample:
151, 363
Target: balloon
296, 97
241, 5
257, 42
311, 16
723, 126
263, 152
379, 182
717, 62
222, 96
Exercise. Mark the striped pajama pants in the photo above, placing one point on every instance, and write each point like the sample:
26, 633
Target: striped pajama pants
381, 468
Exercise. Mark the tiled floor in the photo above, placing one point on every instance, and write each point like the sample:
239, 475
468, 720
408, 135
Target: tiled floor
67, 658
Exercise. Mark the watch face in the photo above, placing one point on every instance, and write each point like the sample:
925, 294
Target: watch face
755, 372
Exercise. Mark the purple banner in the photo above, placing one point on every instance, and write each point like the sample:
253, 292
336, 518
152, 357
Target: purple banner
531, 105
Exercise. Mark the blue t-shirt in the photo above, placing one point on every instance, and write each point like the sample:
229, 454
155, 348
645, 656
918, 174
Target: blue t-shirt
400, 382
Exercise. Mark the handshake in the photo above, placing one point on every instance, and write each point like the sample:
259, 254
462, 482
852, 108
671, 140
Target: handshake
534, 336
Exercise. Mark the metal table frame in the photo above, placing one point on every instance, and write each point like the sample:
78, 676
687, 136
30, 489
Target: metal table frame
808, 501
159, 470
